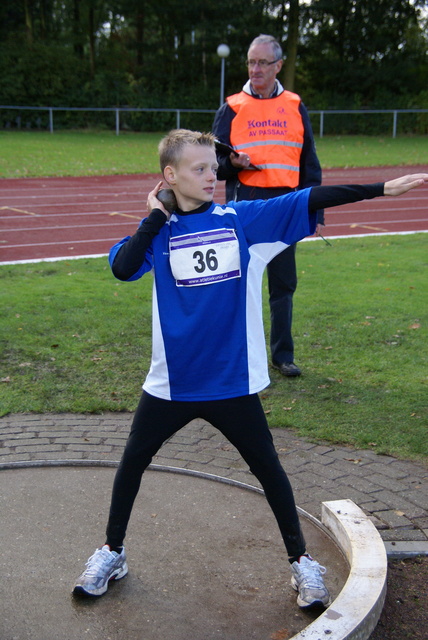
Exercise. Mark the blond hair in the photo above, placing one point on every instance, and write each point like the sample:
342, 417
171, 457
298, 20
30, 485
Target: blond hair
171, 147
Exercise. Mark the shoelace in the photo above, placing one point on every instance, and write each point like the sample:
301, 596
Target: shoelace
96, 561
312, 572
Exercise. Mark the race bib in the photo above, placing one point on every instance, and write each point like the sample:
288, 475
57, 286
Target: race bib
205, 257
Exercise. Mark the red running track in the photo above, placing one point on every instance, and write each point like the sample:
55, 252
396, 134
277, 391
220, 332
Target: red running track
51, 218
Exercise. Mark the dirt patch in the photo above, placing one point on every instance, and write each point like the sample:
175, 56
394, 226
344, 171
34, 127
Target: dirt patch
405, 614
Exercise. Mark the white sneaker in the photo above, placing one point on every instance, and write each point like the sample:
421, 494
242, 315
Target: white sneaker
104, 565
307, 580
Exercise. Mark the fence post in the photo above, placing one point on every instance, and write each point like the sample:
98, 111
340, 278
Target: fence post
394, 125
117, 122
321, 124
50, 119
178, 118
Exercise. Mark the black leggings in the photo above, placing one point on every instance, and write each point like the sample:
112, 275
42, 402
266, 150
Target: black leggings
241, 420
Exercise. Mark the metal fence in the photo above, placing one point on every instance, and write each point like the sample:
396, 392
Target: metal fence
117, 121
330, 121
392, 114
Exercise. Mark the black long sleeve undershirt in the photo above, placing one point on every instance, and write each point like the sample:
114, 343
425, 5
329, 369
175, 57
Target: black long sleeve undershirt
333, 196
131, 255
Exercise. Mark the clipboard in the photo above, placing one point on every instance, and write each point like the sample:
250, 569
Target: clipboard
226, 149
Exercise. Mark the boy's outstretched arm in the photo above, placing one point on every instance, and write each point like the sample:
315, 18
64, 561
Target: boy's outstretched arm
324, 197
405, 183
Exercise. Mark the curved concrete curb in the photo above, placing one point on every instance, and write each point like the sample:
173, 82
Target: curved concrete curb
356, 611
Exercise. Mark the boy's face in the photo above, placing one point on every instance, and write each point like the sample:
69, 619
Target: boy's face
194, 177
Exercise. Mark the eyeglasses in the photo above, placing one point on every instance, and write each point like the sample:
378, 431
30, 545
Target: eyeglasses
262, 63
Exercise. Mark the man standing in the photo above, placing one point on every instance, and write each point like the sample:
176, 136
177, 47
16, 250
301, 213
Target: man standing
270, 130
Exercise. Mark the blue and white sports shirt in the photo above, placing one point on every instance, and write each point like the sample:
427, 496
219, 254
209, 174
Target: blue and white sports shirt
208, 336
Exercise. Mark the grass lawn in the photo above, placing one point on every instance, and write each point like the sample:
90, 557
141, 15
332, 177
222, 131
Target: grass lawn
75, 339
372, 151
74, 153
77, 153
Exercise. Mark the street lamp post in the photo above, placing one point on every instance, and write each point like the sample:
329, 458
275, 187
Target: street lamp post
222, 51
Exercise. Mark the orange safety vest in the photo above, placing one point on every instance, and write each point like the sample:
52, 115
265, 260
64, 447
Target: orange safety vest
271, 132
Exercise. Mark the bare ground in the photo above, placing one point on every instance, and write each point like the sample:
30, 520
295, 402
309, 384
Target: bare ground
405, 614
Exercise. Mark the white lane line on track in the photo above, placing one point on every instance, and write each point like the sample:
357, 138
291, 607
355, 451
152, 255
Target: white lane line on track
70, 241
103, 255
140, 215
385, 222
61, 205
57, 228
350, 223
82, 191
63, 214
129, 198
67, 258
114, 240
64, 210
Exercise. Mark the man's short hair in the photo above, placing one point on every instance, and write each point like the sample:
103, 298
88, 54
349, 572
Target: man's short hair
171, 147
265, 39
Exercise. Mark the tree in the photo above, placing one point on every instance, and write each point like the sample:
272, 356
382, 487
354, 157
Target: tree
339, 53
28, 22
292, 44
358, 51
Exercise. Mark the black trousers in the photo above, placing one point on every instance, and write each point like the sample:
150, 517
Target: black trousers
241, 420
282, 280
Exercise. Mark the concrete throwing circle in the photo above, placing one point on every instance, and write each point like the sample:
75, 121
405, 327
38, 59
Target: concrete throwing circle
206, 560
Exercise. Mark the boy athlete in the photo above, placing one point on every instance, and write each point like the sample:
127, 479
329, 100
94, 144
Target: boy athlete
208, 357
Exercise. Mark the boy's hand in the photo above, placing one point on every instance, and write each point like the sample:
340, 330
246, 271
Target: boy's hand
405, 183
154, 203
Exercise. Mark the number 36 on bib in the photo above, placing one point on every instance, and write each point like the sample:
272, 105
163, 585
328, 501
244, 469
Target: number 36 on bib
204, 258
